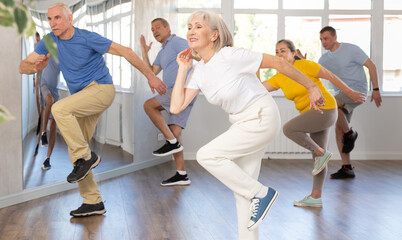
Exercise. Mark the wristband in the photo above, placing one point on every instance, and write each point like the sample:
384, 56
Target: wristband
376, 89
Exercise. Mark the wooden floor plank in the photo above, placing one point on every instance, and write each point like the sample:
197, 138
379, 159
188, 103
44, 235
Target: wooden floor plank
367, 207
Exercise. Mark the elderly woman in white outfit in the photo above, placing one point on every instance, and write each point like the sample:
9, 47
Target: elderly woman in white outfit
227, 77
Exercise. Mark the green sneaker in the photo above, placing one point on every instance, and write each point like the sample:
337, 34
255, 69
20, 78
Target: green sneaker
308, 201
320, 162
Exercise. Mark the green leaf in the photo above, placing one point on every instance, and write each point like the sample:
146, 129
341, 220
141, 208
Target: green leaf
8, 3
51, 47
6, 19
20, 18
5, 116
30, 31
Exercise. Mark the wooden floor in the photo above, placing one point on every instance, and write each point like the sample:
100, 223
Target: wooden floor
34, 176
367, 207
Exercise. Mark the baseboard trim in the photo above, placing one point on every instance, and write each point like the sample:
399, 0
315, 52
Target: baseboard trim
42, 191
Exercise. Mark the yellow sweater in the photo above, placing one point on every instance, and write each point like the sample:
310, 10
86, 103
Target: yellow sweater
299, 94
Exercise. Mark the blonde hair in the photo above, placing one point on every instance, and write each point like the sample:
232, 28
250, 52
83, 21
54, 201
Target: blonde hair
66, 8
215, 23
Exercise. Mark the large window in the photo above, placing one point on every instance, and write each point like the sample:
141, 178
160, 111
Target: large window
112, 19
257, 24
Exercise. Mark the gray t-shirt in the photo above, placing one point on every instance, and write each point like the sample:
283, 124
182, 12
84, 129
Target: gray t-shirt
51, 77
347, 63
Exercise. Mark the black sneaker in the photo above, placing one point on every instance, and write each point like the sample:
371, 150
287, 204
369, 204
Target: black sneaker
44, 139
82, 168
343, 173
86, 210
36, 150
46, 164
176, 180
349, 139
168, 149
38, 127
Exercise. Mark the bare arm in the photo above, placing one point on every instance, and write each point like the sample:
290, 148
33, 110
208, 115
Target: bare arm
316, 98
269, 87
154, 82
33, 63
182, 97
337, 82
375, 95
144, 51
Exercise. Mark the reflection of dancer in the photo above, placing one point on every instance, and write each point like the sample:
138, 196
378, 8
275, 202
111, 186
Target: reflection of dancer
166, 61
309, 121
49, 95
80, 53
227, 77
37, 78
346, 61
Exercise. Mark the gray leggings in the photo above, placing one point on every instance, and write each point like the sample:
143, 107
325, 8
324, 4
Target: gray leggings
311, 131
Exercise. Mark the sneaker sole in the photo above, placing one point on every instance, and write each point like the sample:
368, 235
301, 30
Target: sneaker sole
342, 177
169, 153
100, 212
86, 174
179, 183
323, 165
45, 168
44, 145
251, 228
297, 204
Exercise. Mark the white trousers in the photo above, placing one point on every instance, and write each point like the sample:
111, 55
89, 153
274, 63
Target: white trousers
234, 157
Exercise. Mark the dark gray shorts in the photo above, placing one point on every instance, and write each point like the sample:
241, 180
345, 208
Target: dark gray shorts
347, 104
176, 119
44, 91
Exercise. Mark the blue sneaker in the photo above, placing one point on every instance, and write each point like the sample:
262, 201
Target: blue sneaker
308, 201
320, 162
259, 208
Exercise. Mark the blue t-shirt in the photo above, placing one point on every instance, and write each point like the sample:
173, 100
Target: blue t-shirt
51, 77
81, 58
347, 63
166, 58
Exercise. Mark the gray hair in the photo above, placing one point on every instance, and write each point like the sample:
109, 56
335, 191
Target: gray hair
291, 47
215, 23
66, 8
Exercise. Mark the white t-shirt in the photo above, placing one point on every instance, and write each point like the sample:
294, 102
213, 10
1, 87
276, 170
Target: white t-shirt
229, 79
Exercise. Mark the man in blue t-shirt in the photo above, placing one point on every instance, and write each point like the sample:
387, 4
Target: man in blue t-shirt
166, 61
346, 61
80, 54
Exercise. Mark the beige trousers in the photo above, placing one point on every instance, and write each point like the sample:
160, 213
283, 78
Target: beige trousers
77, 116
234, 157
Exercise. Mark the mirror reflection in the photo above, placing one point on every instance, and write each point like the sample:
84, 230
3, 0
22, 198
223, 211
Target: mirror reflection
45, 152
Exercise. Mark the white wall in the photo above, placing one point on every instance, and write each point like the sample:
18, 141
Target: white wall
10, 97
379, 129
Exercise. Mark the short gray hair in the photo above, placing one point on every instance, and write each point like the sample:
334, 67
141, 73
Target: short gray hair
66, 8
215, 23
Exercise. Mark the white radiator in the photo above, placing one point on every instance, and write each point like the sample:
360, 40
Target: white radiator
283, 145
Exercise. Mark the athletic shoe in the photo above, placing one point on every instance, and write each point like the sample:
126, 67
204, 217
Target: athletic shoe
46, 164
38, 127
308, 201
176, 180
36, 150
168, 149
320, 162
349, 140
343, 173
44, 139
259, 208
86, 210
82, 168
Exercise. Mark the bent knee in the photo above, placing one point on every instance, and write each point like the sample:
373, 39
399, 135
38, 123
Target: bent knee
56, 109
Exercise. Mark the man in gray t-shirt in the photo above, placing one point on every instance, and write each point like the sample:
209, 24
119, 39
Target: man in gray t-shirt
49, 95
346, 61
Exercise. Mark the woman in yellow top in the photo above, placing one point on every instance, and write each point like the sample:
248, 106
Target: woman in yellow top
311, 128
